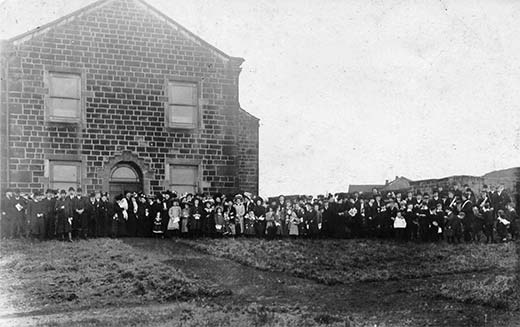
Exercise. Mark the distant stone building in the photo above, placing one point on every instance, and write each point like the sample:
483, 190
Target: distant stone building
398, 184
364, 188
510, 178
117, 96
429, 185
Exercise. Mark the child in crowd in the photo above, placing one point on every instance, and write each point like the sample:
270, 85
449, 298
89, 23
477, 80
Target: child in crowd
447, 214
219, 221
174, 214
400, 226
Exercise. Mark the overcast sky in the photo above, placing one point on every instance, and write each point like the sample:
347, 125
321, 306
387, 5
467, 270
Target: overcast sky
352, 92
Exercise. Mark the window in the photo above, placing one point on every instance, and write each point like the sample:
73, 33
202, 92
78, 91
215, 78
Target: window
64, 102
64, 174
182, 110
184, 178
124, 174
124, 178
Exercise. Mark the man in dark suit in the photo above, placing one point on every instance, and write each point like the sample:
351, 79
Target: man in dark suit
467, 222
20, 226
93, 214
36, 211
7, 218
80, 222
50, 215
502, 199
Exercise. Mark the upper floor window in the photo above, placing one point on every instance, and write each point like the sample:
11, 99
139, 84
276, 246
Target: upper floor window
64, 102
182, 110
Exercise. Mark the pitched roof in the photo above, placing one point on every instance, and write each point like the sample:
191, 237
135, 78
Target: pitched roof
100, 3
249, 114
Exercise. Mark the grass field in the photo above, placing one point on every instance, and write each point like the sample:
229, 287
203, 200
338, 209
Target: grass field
350, 261
346, 261
251, 282
96, 273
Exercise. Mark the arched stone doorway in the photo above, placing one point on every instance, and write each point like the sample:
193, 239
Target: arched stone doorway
125, 177
125, 169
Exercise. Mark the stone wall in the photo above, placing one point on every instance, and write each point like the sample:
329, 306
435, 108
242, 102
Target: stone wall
125, 53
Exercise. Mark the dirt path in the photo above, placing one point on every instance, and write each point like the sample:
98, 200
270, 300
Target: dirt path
404, 302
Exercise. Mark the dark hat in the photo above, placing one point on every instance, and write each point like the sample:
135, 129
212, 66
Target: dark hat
8, 190
119, 197
79, 190
38, 193
50, 191
92, 194
72, 189
62, 191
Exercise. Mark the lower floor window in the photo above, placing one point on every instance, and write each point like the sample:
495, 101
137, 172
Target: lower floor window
64, 174
184, 178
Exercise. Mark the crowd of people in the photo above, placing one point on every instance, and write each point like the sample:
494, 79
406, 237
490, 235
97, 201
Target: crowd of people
455, 215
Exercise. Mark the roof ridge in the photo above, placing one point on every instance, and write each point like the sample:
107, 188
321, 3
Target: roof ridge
58, 20
96, 4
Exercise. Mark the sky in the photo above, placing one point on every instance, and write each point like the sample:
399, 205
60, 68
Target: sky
354, 92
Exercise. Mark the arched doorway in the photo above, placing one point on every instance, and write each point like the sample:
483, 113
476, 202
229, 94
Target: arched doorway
125, 176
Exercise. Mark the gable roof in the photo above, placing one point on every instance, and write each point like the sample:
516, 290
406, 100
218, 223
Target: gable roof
100, 3
249, 114
399, 183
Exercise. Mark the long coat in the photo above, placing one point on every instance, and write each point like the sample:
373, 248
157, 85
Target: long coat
36, 211
64, 211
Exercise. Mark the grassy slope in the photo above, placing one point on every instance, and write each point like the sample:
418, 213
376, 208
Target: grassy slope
184, 314
88, 274
107, 282
349, 261
346, 261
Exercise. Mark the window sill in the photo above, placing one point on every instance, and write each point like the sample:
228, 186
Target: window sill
69, 121
181, 128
